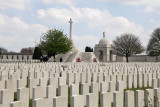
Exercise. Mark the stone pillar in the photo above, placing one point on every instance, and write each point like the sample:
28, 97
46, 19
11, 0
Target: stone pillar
108, 54
104, 55
70, 30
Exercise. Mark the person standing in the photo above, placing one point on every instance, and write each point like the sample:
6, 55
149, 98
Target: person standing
61, 60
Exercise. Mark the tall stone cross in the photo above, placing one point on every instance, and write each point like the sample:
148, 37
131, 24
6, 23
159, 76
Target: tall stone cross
70, 31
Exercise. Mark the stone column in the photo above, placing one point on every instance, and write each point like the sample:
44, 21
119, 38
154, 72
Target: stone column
70, 30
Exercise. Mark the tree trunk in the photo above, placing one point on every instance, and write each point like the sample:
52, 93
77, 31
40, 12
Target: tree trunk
127, 59
54, 58
156, 58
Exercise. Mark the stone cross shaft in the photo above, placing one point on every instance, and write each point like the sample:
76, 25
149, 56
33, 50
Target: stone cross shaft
103, 34
70, 31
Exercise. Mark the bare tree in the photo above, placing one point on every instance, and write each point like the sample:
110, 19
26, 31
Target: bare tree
3, 50
127, 45
153, 47
28, 50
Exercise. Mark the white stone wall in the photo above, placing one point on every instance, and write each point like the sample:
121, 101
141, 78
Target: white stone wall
15, 57
138, 58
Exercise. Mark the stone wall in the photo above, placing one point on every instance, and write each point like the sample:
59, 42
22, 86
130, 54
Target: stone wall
15, 57
138, 58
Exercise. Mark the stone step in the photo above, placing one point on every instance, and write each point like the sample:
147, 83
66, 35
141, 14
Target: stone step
86, 56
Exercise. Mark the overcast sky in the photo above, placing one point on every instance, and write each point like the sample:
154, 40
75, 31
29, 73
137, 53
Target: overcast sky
23, 21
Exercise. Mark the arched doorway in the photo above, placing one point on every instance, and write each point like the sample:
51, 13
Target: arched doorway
100, 55
111, 58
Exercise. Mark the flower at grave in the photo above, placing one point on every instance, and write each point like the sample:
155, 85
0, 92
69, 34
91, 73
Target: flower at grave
78, 60
94, 60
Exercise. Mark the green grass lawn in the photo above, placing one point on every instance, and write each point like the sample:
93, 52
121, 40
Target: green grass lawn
30, 103
15, 96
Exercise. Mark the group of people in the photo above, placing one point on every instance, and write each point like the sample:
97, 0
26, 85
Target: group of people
46, 58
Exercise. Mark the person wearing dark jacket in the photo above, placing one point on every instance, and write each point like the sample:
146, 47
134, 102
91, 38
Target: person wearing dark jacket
61, 60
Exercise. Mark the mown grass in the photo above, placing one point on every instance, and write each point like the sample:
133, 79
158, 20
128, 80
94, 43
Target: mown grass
15, 96
30, 102
27, 83
68, 96
98, 105
134, 89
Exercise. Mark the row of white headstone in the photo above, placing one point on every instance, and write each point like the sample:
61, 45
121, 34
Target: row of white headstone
79, 84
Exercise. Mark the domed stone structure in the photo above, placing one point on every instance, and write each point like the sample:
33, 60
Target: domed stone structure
103, 51
104, 41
